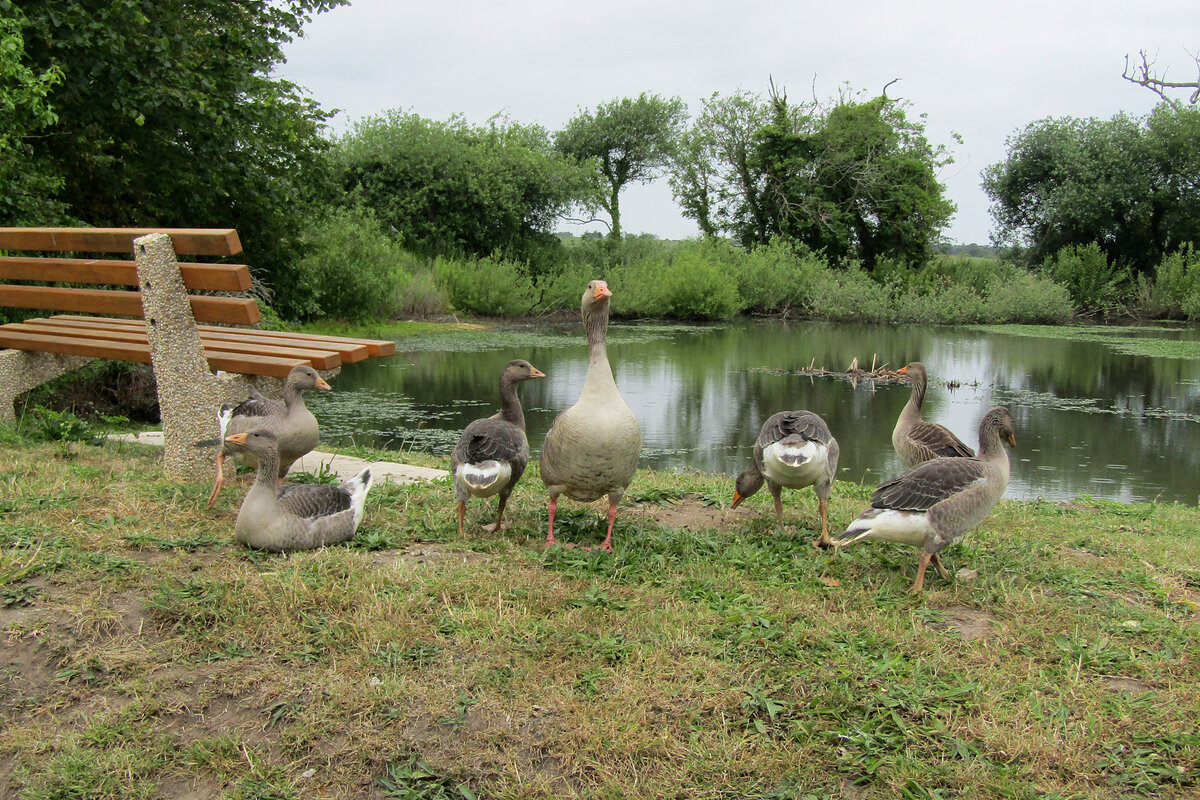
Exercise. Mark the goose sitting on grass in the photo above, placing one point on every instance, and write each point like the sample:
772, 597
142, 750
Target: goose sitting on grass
294, 426
492, 453
794, 449
936, 502
294, 516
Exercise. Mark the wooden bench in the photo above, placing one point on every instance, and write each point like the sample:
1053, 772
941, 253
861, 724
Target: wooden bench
155, 310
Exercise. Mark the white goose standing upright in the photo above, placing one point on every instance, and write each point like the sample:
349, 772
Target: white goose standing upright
592, 448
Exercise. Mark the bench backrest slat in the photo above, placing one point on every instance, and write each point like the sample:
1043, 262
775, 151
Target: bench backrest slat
186, 241
235, 310
206, 277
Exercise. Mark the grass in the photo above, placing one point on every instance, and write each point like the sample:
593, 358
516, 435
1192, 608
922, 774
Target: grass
147, 655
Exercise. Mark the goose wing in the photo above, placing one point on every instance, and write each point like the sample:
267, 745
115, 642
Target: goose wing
927, 484
937, 441
805, 424
490, 440
313, 500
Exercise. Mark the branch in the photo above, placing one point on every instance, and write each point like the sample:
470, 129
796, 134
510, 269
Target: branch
1142, 75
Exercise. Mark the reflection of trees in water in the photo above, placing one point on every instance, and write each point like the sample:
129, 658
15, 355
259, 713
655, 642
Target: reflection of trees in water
1087, 416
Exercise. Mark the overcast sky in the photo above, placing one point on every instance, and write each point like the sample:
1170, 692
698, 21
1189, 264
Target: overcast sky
983, 70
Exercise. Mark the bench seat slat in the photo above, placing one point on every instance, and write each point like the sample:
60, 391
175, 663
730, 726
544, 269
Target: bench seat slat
117, 272
186, 241
237, 310
375, 347
349, 352
278, 364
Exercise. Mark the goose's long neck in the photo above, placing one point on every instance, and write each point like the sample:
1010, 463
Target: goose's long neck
510, 403
599, 375
991, 448
293, 398
917, 398
268, 471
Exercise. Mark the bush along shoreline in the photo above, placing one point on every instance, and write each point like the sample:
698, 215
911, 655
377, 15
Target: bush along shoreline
710, 280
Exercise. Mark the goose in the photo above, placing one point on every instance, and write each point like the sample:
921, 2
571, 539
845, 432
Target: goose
592, 448
294, 516
289, 419
915, 439
492, 453
936, 502
794, 449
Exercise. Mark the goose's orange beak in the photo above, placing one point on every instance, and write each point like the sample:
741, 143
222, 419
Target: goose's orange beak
602, 291
1012, 439
737, 498
236, 438
321, 384
534, 372
903, 370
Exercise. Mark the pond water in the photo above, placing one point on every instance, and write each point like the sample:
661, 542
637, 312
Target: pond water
1107, 412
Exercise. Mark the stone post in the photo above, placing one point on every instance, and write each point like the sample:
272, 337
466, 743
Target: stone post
188, 397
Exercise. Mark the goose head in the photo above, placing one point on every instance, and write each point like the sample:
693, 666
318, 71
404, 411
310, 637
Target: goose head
521, 370
749, 481
258, 442
305, 377
595, 297
998, 423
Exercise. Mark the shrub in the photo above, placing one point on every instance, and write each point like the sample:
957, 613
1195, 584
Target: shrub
777, 278
351, 269
696, 284
421, 296
849, 296
1176, 288
1026, 297
1094, 284
492, 286
956, 304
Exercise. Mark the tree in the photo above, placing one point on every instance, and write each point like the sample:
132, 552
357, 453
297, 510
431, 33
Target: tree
1144, 74
714, 177
24, 112
1127, 184
168, 114
629, 140
856, 180
450, 187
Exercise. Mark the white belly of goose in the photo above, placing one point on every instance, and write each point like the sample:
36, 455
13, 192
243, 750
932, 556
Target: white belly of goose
795, 465
485, 478
888, 525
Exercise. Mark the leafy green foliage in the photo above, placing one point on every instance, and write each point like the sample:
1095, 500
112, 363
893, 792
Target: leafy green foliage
24, 110
351, 270
492, 286
1085, 271
856, 181
1176, 289
168, 114
628, 140
450, 188
714, 176
1124, 183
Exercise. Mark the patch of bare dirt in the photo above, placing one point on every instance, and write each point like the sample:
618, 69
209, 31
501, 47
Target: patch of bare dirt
1083, 556
692, 513
1129, 685
971, 624
430, 553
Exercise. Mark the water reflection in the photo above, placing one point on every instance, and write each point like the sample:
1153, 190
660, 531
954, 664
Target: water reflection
1090, 420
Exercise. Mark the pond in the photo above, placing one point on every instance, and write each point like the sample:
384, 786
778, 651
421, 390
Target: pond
1107, 412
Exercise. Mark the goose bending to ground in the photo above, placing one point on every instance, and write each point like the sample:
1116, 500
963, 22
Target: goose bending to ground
293, 424
794, 449
915, 439
592, 448
492, 453
294, 516
936, 502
